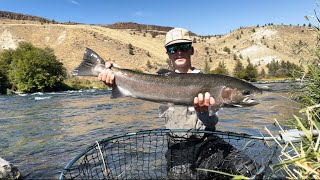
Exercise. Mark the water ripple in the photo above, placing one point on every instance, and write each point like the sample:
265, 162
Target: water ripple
40, 133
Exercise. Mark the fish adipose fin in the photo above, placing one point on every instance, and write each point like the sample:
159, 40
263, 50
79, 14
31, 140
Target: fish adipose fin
91, 65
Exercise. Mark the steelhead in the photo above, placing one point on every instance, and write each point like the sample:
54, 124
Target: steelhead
175, 88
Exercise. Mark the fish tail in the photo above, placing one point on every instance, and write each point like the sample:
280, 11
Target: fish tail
91, 65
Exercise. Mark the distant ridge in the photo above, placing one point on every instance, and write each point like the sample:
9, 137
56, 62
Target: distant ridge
19, 16
27, 17
136, 26
139, 27
118, 25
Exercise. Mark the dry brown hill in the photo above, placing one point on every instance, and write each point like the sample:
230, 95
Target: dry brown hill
259, 44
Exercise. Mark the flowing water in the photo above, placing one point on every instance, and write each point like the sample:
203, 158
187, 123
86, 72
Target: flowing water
41, 132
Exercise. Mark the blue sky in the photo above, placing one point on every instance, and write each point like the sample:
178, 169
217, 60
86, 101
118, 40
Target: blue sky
204, 17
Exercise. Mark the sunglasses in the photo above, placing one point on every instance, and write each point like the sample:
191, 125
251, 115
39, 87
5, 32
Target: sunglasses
175, 47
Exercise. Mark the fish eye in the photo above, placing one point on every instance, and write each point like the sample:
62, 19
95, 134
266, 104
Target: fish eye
246, 92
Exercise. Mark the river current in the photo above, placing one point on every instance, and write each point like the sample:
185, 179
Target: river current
41, 132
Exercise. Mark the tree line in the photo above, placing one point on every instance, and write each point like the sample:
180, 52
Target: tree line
279, 69
19, 16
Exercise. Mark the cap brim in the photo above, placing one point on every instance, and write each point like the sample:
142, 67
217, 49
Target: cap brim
178, 41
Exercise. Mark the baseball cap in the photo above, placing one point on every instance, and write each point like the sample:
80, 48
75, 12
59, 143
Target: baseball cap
177, 35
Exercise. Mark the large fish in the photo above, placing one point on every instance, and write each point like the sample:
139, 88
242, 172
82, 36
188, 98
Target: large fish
175, 88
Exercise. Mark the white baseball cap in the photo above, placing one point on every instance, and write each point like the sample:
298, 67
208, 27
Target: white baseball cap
177, 35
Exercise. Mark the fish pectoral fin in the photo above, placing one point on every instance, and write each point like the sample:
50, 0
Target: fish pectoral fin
216, 92
116, 92
163, 109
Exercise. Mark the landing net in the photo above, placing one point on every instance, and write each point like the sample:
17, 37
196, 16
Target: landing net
173, 154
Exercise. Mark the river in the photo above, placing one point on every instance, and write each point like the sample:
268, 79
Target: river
41, 132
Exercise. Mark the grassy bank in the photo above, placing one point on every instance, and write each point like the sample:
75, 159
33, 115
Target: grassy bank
301, 160
77, 83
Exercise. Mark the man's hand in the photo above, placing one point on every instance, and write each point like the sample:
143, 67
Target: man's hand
107, 75
201, 103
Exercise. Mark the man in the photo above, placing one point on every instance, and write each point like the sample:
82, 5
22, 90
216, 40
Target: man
179, 49
186, 152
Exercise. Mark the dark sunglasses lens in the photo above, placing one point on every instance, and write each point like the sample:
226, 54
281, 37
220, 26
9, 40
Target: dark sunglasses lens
172, 49
185, 47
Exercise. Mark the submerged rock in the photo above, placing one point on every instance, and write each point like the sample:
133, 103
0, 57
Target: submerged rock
8, 171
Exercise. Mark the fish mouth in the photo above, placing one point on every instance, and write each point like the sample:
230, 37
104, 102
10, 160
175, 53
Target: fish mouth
249, 101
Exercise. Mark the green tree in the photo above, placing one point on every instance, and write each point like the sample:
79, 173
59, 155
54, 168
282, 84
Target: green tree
221, 69
284, 69
5, 60
263, 73
226, 49
251, 72
130, 48
33, 69
194, 40
273, 67
154, 34
238, 70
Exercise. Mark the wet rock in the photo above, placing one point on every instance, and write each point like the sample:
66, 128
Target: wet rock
8, 171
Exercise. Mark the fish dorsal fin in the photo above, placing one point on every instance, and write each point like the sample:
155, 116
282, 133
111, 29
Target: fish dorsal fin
90, 60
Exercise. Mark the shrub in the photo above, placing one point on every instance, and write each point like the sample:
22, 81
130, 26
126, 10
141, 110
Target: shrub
33, 69
226, 49
130, 48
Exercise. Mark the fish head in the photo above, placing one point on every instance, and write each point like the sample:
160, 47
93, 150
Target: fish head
233, 97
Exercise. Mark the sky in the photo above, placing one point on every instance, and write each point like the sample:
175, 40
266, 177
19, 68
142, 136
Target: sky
203, 17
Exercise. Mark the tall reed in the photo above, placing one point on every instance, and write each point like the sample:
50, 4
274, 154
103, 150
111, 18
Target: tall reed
302, 160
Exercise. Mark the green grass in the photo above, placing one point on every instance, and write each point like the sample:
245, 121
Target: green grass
302, 160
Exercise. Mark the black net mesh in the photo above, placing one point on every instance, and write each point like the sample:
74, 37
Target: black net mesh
173, 154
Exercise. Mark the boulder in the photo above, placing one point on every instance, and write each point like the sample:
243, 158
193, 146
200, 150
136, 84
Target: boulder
8, 171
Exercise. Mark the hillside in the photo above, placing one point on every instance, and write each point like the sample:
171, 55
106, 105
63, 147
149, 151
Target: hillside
259, 44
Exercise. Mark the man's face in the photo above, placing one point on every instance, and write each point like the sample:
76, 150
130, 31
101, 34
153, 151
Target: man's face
180, 54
